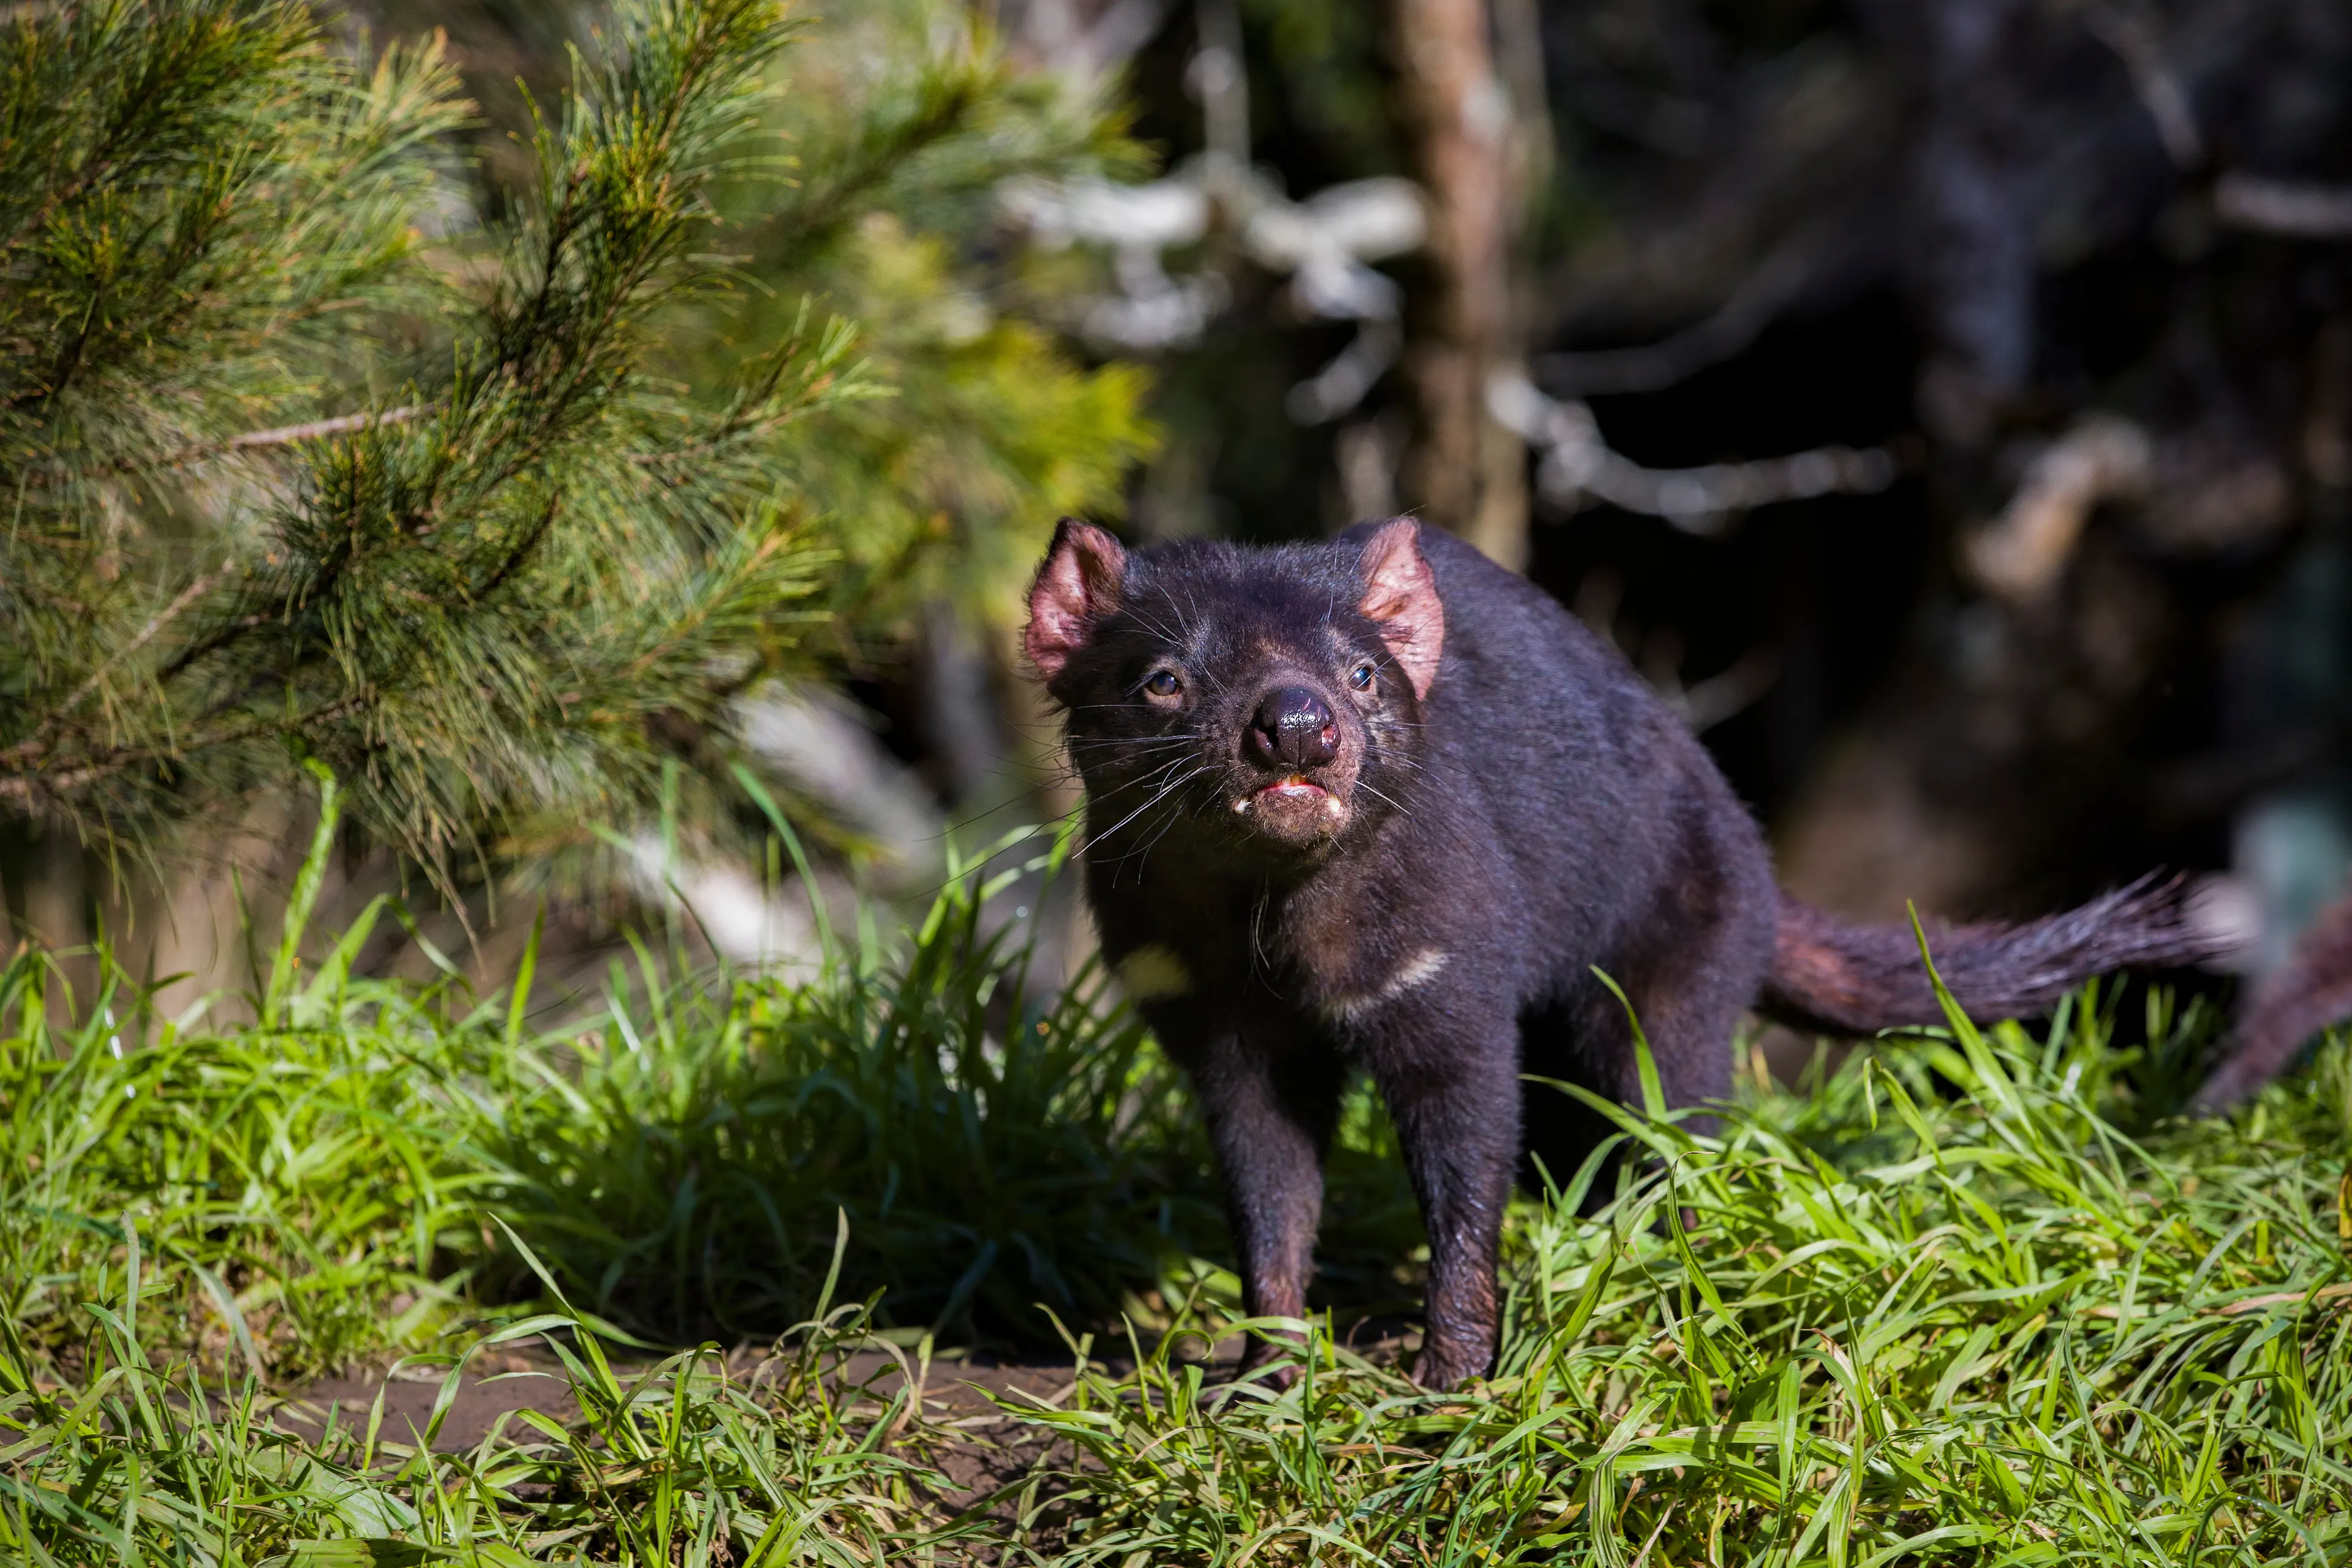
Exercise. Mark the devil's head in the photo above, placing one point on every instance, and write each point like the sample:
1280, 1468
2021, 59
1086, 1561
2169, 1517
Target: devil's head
1266, 701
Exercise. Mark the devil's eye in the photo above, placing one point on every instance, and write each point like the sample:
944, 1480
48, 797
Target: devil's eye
1360, 677
1163, 683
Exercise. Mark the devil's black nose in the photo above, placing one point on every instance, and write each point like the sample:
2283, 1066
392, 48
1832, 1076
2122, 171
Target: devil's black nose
1293, 727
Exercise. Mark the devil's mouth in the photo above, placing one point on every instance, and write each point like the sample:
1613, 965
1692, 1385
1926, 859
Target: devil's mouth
1293, 809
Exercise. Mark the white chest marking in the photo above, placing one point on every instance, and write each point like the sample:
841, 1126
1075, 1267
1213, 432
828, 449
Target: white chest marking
1153, 973
1349, 1006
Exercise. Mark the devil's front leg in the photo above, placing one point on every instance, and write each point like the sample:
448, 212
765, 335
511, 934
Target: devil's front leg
1270, 1105
1450, 1075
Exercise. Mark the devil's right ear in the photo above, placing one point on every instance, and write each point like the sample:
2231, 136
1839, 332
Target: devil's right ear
1077, 586
1401, 593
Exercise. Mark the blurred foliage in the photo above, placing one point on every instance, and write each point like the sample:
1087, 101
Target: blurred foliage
950, 488
902, 119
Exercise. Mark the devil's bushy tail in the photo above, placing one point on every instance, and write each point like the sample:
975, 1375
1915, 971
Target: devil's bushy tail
2312, 990
1842, 978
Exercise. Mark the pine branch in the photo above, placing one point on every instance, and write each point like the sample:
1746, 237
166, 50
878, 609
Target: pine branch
256, 440
497, 593
316, 430
36, 745
56, 787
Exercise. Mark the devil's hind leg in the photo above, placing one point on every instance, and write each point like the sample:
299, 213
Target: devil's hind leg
1690, 969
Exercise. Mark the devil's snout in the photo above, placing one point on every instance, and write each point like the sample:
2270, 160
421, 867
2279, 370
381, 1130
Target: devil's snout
1293, 727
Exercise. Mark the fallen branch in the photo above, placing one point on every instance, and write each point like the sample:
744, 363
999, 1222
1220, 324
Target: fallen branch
2298, 209
2024, 554
1578, 466
1652, 367
2153, 80
1705, 704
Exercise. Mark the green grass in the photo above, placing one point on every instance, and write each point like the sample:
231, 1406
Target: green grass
329, 1175
1984, 1327
139, 1462
1977, 1298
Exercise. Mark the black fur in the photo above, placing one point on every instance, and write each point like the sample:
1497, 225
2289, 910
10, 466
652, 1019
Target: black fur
2305, 994
1435, 910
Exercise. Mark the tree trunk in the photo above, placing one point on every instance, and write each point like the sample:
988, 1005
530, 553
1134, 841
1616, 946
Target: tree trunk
1466, 473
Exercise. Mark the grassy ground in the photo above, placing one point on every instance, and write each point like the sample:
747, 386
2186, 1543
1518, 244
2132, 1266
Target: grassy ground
1974, 1299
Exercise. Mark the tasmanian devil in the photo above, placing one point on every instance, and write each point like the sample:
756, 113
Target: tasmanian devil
1379, 804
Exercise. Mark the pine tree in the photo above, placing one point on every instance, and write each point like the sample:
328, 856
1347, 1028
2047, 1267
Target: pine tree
301, 466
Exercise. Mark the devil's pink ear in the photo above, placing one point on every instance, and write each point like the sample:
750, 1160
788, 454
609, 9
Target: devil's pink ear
1077, 588
1401, 593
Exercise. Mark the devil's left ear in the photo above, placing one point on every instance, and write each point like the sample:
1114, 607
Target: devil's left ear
1401, 593
1079, 585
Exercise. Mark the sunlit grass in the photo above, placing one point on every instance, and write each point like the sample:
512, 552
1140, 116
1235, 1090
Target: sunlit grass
1991, 1329
137, 1460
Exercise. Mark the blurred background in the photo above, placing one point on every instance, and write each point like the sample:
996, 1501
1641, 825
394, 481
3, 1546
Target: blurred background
1949, 407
